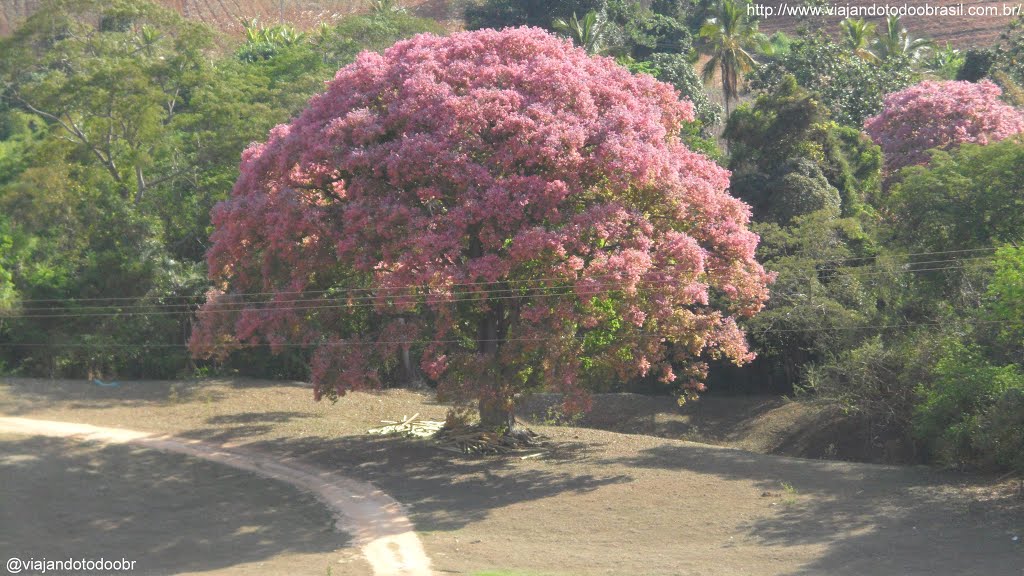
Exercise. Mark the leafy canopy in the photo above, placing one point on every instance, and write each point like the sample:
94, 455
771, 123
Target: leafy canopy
940, 115
850, 87
518, 213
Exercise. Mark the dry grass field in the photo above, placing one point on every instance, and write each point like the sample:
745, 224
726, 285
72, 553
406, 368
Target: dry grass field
596, 501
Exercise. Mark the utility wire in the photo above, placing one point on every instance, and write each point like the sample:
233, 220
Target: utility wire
372, 301
475, 341
342, 290
480, 295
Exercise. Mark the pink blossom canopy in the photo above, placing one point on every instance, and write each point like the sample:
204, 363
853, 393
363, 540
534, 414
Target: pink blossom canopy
500, 174
940, 115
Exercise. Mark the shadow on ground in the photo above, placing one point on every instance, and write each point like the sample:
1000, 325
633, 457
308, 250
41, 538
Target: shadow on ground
35, 394
444, 491
911, 521
170, 513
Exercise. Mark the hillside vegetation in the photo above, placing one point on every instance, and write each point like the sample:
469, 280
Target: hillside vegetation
227, 15
961, 31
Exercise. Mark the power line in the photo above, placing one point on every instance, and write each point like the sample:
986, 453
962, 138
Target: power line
589, 290
342, 290
372, 301
480, 296
413, 342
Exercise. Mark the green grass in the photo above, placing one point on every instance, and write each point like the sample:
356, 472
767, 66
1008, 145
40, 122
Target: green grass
790, 494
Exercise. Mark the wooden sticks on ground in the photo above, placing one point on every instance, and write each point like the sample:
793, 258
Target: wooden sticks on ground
455, 436
409, 427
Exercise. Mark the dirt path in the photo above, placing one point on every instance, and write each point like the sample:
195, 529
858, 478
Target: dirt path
375, 521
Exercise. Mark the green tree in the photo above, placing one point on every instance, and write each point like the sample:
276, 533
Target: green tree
969, 410
850, 88
894, 41
1008, 55
119, 100
505, 13
677, 70
642, 32
789, 159
857, 37
965, 198
826, 287
120, 128
729, 38
808, 181
977, 64
587, 33
1005, 295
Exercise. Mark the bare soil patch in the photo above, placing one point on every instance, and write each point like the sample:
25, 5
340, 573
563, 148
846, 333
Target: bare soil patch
226, 15
598, 502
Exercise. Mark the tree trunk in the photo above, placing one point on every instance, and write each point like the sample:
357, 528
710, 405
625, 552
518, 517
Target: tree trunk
496, 406
409, 373
497, 414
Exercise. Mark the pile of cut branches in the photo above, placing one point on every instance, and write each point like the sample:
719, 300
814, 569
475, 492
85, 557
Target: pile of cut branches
455, 434
409, 427
459, 436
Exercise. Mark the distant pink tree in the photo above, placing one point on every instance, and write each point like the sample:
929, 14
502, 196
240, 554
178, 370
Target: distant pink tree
940, 115
513, 212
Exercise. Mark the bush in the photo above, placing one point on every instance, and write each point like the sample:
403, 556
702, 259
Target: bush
874, 381
800, 188
1000, 439
977, 64
970, 413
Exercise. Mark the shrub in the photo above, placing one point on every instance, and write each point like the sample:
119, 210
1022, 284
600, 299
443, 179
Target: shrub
874, 381
1000, 438
965, 415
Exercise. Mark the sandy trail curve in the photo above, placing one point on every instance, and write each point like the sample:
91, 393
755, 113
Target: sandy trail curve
375, 521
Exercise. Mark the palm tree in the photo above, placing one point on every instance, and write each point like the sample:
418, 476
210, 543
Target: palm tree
944, 62
148, 39
896, 41
729, 38
385, 7
857, 37
587, 33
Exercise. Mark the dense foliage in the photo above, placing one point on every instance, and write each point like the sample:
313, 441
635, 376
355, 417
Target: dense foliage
518, 231
121, 127
940, 115
850, 87
676, 70
620, 27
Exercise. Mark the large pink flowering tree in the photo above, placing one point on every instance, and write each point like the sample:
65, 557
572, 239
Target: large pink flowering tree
508, 210
940, 115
